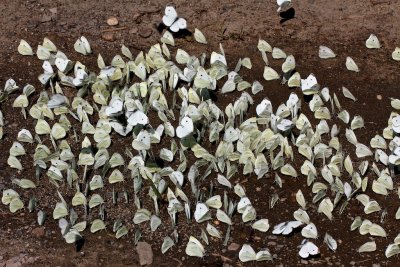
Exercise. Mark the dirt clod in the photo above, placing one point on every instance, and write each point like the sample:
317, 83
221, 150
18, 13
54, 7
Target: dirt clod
233, 247
146, 32
38, 232
133, 30
108, 36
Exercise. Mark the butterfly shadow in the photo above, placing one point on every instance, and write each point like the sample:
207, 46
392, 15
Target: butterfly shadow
311, 257
307, 98
79, 244
293, 232
206, 94
180, 34
161, 27
159, 162
395, 169
287, 15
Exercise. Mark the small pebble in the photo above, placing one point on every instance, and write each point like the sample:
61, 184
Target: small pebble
38, 232
112, 21
145, 253
379, 97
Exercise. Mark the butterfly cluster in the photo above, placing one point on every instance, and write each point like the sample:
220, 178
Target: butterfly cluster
163, 98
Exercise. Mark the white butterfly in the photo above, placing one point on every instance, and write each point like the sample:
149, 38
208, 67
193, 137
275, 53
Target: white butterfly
188, 74
243, 203
286, 228
62, 64
82, 46
201, 213
372, 42
330, 241
185, 128
121, 129
25, 136
64, 226
193, 113
142, 141
48, 73
57, 100
396, 124
264, 108
115, 107
80, 76
396, 54
395, 157
194, 248
215, 58
347, 190
310, 85
285, 125
293, 101
25, 49
308, 248
351, 64
107, 72
171, 20
138, 117
247, 253
177, 178
310, 231
231, 135
284, 5
326, 52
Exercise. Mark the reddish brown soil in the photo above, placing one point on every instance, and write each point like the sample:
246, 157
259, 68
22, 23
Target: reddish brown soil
342, 26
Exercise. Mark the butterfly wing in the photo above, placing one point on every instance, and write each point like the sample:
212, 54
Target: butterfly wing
114, 108
308, 249
179, 24
138, 117
170, 16
201, 211
396, 121
312, 248
304, 251
181, 132
47, 67
144, 137
185, 128
278, 229
61, 64
312, 80
187, 123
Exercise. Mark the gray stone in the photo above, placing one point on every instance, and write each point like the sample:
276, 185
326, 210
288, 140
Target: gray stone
145, 253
